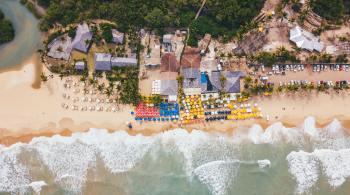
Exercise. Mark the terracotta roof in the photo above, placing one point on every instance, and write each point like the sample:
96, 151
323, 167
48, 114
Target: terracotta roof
191, 58
169, 63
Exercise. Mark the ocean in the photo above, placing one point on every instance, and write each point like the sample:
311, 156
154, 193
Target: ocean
278, 160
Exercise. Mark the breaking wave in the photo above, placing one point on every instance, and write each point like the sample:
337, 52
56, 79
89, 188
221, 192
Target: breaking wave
214, 160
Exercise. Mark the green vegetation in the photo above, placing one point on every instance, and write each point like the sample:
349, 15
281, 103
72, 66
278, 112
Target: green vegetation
346, 6
154, 14
44, 3
341, 59
126, 80
31, 7
7, 33
54, 35
2, 16
72, 32
281, 55
329, 9
218, 17
327, 58
225, 19
43, 77
106, 29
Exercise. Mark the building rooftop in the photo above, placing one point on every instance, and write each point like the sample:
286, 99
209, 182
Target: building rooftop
82, 38
305, 39
118, 37
102, 61
169, 63
60, 48
118, 61
192, 77
169, 87
232, 82
191, 58
167, 38
80, 65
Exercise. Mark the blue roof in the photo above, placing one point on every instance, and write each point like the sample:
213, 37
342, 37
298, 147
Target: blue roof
204, 79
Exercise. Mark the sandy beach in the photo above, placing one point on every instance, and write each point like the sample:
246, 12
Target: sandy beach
28, 110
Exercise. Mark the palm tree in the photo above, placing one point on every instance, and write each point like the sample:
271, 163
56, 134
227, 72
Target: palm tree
43, 77
101, 87
109, 91
222, 83
111, 84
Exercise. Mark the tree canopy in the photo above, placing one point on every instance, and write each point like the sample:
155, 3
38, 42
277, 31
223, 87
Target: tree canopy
7, 33
218, 17
329, 9
2, 16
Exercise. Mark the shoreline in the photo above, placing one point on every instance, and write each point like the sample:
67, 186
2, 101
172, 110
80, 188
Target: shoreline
38, 67
9, 138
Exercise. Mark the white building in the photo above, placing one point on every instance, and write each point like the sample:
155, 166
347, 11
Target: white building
305, 40
118, 37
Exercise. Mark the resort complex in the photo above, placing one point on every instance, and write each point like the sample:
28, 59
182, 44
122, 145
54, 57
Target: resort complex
169, 81
197, 69
188, 97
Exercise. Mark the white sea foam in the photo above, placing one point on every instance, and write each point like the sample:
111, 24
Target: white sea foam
306, 167
193, 146
69, 158
13, 174
303, 167
309, 127
273, 134
218, 175
264, 163
121, 152
37, 186
66, 156
335, 165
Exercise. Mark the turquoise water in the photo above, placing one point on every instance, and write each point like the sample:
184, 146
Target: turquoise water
28, 38
278, 160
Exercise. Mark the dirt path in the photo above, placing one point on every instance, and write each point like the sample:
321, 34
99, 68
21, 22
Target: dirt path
188, 28
200, 9
41, 10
